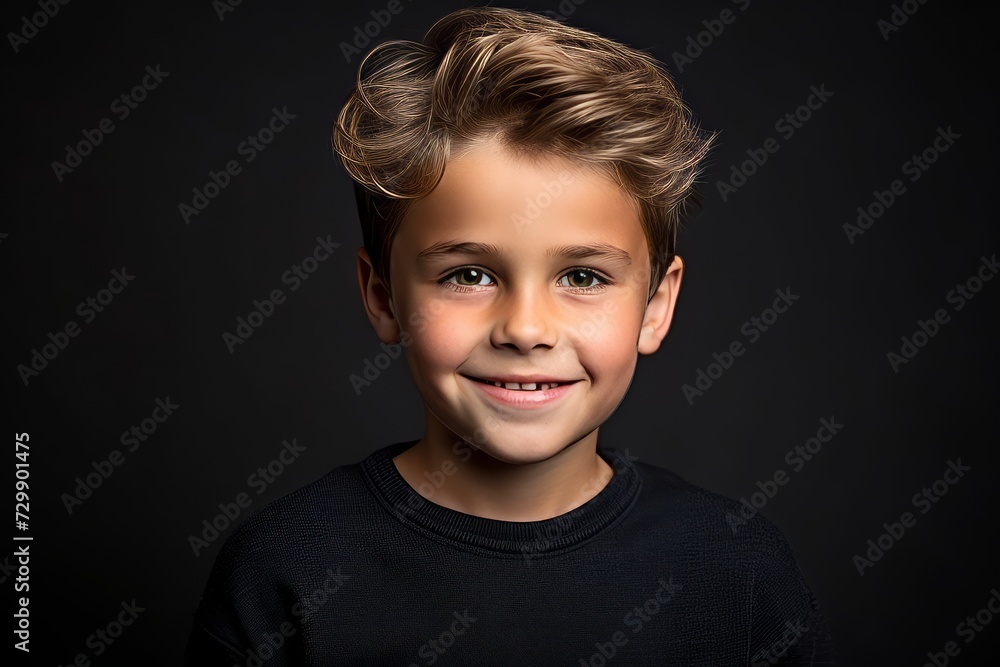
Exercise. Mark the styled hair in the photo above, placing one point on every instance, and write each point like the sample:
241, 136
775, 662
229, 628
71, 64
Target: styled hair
536, 86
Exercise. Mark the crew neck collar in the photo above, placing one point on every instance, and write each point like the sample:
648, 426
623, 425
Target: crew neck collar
523, 539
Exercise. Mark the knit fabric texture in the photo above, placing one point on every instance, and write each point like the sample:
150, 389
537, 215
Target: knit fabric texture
357, 568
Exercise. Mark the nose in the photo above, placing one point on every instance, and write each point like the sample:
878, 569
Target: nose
525, 318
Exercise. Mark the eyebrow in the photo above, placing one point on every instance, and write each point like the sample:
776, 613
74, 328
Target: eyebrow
598, 250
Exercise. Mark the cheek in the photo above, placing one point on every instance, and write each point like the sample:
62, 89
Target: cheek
420, 315
436, 337
606, 343
615, 353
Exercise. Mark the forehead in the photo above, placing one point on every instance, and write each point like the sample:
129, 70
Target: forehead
521, 203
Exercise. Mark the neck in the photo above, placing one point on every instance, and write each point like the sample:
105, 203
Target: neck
450, 472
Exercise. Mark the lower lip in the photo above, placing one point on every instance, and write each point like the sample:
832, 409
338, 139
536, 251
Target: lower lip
523, 399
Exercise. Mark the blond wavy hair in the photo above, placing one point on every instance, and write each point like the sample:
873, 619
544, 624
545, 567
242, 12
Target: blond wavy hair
538, 87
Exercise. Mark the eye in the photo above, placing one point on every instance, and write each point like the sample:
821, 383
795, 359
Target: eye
468, 273
469, 279
583, 275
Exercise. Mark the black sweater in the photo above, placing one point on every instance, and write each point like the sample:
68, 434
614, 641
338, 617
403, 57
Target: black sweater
357, 568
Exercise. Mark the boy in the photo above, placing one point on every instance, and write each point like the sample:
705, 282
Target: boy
520, 184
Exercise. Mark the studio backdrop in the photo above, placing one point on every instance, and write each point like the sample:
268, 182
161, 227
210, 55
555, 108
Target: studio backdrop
185, 339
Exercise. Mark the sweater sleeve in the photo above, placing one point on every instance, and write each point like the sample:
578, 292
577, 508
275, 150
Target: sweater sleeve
242, 605
787, 627
206, 650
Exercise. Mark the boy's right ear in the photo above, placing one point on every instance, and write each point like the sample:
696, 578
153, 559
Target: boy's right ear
377, 300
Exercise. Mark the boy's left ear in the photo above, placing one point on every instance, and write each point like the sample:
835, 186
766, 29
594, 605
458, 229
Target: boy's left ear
660, 309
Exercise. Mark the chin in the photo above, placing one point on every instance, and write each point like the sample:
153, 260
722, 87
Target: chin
522, 452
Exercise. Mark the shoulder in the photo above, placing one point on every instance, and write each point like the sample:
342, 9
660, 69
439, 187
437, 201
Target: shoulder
276, 548
733, 539
713, 518
322, 500
665, 490
282, 531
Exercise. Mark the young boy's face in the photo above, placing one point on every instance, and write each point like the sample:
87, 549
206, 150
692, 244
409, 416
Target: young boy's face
523, 306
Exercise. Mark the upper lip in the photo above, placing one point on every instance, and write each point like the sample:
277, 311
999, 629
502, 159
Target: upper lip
521, 379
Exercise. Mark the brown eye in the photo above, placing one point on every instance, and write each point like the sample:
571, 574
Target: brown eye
574, 277
473, 274
582, 276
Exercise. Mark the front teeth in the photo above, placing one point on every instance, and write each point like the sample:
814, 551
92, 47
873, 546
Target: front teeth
528, 386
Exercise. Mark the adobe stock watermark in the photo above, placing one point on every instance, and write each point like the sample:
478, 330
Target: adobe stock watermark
259, 480
636, 620
558, 527
305, 607
435, 479
959, 296
566, 9
223, 7
30, 25
752, 329
436, 647
779, 647
421, 318
59, 341
248, 149
381, 19
122, 106
915, 167
968, 629
898, 17
463, 449
786, 126
104, 637
132, 439
797, 457
7, 569
533, 207
696, 44
293, 277
22, 585
923, 500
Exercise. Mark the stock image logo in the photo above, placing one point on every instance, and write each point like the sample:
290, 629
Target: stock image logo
132, 439
31, 24
924, 500
797, 458
88, 310
958, 297
263, 309
787, 125
230, 512
915, 167
695, 45
248, 149
122, 106
752, 329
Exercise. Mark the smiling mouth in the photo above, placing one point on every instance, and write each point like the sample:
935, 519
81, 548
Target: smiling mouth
526, 386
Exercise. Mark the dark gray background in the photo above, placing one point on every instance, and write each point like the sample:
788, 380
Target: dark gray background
162, 336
